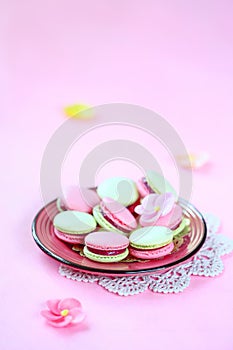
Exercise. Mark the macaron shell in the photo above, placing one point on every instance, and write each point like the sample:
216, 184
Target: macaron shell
182, 233
121, 189
118, 214
171, 220
103, 222
106, 241
184, 223
159, 184
152, 253
60, 205
74, 222
105, 259
80, 199
73, 239
151, 237
142, 189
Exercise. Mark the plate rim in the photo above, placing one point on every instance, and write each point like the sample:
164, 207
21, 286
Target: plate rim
97, 271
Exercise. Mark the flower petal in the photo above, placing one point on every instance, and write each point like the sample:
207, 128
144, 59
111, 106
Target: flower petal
150, 219
69, 303
65, 322
139, 209
53, 306
77, 314
169, 201
50, 316
149, 203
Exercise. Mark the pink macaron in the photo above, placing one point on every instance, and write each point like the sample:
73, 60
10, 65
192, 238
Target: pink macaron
143, 187
152, 253
113, 216
106, 247
80, 199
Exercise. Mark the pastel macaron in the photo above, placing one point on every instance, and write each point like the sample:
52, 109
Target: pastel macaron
121, 189
113, 216
154, 182
151, 242
72, 226
106, 247
80, 199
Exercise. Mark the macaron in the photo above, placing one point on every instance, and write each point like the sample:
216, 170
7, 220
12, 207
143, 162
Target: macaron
113, 216
60, 205
182, 228
121, 189
151, 242
80, 199
106, 247
154, 183
72, 226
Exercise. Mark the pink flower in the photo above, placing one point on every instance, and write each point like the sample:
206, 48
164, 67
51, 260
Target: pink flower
63, 312
154, 206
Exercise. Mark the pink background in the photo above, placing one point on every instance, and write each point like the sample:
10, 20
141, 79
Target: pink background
175, 57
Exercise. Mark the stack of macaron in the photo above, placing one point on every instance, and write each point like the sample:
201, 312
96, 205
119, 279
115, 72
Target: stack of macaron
121, 217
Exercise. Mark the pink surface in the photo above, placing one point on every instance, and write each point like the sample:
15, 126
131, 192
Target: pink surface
175, 57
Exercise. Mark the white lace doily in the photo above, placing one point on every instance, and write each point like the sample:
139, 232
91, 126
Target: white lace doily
207, 262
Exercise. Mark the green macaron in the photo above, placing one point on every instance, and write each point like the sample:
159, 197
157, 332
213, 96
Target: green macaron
182, 228
74, 222
151, 237
121, 189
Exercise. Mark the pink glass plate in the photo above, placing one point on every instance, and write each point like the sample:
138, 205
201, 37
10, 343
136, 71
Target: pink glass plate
43, 234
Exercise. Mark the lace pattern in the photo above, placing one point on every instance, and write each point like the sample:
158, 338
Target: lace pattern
207, 262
